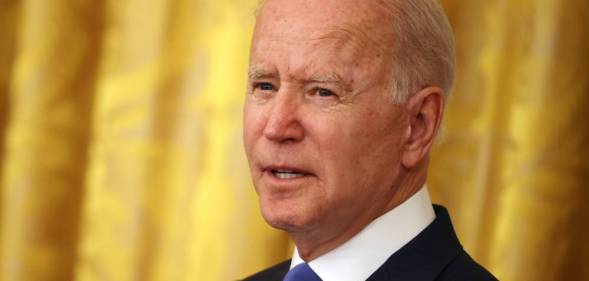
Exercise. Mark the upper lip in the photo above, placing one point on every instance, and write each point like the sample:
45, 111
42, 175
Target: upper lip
293, 169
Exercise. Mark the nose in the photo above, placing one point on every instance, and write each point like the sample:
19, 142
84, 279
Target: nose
283, 124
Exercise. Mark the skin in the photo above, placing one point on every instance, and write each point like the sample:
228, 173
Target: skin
320, 103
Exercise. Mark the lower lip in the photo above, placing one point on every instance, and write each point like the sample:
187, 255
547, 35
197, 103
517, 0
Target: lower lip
274, 180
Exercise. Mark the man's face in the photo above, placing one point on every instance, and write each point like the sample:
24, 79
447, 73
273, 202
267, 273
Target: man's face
321, 132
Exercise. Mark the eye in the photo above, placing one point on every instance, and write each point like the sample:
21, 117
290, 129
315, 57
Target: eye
324, 93
265, 86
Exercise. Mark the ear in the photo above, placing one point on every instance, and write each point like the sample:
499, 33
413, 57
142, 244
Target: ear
425, 110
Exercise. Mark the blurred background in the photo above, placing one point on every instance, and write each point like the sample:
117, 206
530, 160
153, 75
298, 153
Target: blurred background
121, 155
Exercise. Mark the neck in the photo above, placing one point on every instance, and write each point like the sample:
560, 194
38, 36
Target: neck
313, 244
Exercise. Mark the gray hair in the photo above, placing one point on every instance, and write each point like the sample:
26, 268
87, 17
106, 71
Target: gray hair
424, 53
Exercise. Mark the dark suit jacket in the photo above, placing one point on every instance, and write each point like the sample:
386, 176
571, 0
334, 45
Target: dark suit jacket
434, 254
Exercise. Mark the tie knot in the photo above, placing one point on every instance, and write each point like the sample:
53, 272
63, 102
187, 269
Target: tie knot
302, 272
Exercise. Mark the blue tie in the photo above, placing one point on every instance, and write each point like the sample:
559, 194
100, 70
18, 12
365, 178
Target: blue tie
301, 272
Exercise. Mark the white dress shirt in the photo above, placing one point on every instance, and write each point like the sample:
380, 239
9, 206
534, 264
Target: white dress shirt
362, 255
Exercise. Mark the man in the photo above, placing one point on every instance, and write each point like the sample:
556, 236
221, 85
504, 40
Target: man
345, 98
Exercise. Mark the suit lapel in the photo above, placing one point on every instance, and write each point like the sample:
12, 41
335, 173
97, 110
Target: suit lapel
424, 257
274, 273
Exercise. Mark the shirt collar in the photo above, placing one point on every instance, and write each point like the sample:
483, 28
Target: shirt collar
362, 255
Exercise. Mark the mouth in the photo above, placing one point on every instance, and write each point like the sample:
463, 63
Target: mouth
285, 173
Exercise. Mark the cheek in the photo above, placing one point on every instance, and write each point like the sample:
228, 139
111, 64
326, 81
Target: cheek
359, 148
340, 151
253, 126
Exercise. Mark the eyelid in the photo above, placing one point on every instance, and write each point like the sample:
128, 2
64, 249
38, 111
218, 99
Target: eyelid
319, 90
256, 84
316, 90
313, 95
257, 90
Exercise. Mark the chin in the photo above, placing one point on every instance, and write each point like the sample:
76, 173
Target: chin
286, 216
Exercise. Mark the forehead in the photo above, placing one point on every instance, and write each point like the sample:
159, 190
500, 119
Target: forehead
327, 12
365, 22
333, 32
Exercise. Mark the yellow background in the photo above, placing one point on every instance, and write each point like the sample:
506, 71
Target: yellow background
121, 155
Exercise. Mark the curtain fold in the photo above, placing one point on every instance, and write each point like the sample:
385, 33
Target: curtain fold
512, 163
121, 154
50, 100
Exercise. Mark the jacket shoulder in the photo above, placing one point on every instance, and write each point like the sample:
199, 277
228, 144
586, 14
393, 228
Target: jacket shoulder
464, 268
276, 272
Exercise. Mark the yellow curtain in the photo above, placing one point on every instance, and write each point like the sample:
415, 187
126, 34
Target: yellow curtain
120, 140
513, 163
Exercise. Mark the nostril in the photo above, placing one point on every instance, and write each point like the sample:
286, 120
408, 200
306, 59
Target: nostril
291, 131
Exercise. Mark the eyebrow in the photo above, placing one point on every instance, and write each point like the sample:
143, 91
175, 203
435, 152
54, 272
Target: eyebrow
325, 78
257, 73
333, 78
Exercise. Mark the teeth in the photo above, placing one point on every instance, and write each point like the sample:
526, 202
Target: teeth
286, 174
283, 171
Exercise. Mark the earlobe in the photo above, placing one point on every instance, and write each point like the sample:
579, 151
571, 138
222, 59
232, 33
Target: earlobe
426, 109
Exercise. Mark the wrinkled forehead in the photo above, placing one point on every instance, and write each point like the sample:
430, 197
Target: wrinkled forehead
365, 23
